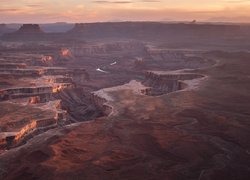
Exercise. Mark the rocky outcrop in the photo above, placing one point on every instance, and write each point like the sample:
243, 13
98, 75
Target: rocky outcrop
41, 98
40, 86
163, 82
102, 104
29, 29
9, 140
27, 90
22, 92
27, 32
62, 86
78, 104
47, 60
34, 127
34, 100
59, 79
171, 75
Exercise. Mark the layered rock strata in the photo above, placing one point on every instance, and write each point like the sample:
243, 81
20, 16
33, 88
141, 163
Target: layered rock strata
162, 82
107, 48
35, 126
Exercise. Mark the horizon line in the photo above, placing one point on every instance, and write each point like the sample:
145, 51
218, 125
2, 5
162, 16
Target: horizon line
134, 21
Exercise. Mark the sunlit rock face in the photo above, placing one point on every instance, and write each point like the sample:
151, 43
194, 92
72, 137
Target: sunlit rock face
62, 86
64, 56
34, 100
30, 28
47, 60
65, 52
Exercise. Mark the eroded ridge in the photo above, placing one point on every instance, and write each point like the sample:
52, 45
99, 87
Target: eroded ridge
156, 83
30, 94
18, 133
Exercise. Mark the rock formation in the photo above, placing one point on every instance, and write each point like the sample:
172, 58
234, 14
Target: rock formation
34, 126
102, 104
29, 29
27, 32
150, 30
165, 82
78, 105
47, 60
34, 100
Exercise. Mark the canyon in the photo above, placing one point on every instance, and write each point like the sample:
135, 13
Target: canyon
129, 100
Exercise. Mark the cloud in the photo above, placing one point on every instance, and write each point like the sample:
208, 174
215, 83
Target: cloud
34, 5
6, 10
150, 1
237, 1
112, 2
124, 2
104, 10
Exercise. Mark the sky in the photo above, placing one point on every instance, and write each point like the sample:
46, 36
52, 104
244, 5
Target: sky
48, 11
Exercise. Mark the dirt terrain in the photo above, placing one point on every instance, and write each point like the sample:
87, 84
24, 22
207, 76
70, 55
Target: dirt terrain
133, 110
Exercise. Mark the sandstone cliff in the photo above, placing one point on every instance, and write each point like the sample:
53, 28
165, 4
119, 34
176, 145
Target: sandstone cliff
162, 82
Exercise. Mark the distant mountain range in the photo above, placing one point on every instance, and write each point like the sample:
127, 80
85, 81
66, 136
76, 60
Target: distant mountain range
5, 29
51, 27
171, 32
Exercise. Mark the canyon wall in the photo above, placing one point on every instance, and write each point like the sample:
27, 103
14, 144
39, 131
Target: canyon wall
19, 72
107, 48
102, 104
161, 82
137, 29
78, 104
15, 138
22, 92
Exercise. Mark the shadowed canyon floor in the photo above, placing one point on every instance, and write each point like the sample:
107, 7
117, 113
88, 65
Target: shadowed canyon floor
131, 110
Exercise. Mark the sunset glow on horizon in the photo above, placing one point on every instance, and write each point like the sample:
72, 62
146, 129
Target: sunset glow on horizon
45, 11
